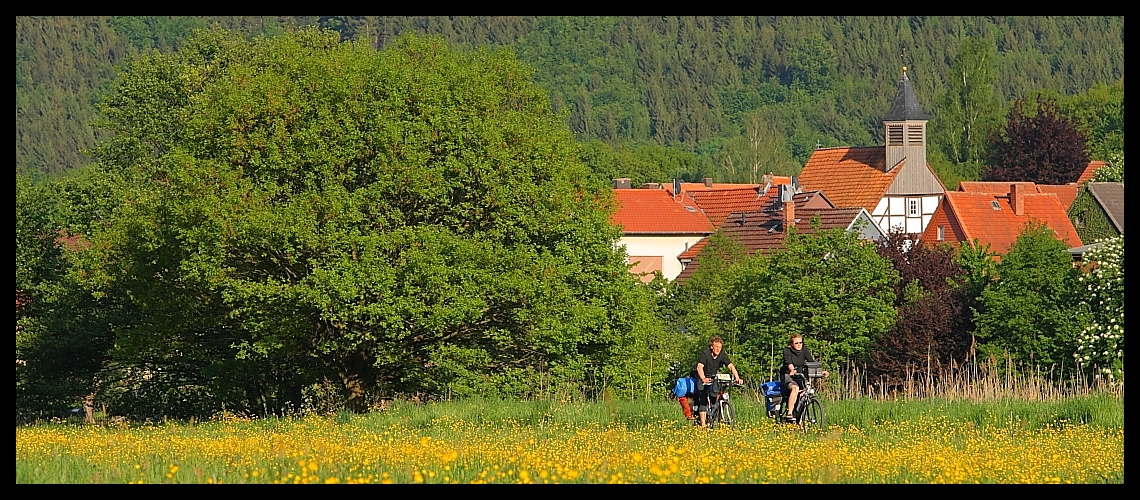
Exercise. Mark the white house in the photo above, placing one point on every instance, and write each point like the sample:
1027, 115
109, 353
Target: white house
657, 228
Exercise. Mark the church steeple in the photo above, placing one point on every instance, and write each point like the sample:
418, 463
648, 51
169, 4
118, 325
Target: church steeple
905, 128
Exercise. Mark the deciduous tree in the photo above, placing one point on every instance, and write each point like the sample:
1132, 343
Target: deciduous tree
1031, 310
404, 221
828, 285
1046, 148
934, 325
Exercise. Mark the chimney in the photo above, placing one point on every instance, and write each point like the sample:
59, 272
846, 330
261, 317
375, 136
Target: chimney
708, 182
622, 183
1017, 199
789, 206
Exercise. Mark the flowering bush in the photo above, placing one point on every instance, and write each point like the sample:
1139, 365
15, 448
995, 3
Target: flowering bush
1112, 171
1100, 345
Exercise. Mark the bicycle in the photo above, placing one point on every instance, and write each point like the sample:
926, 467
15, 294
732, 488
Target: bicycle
720, 410
808, 413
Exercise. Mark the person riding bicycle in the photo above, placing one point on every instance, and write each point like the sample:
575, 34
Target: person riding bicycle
707, 366
796, 355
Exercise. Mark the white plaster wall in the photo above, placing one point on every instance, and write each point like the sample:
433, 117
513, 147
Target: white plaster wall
897, 206
913, 225
929, 205
669, 247
881, 208
896, 221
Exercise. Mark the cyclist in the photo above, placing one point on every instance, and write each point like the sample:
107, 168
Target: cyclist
709, 363
795, 355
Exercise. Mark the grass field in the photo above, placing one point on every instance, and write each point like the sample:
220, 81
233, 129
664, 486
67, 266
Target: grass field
1074, 440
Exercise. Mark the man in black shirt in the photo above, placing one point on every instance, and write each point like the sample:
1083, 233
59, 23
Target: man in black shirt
709, 363
795, 356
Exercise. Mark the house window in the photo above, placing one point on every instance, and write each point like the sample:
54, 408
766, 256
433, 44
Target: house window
941, 233
995, 205
644, 266
912, 207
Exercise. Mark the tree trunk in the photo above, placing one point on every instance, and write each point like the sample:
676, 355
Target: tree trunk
89, 409
356, 395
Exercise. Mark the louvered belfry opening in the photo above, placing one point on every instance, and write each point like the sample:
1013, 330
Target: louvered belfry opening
915, 136
894, 135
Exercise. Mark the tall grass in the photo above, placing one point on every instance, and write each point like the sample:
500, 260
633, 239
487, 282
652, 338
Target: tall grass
978, 380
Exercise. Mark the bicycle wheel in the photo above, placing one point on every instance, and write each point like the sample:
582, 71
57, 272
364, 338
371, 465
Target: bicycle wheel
727, 414
812, 418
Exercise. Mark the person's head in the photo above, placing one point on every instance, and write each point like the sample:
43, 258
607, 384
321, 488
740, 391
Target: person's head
796, 342
716, 344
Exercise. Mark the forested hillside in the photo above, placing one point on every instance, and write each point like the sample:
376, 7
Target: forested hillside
727, 97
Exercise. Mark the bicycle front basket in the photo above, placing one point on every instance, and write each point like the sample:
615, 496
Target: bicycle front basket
813, 369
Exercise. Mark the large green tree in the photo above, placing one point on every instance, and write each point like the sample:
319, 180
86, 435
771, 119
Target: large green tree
404, 220
829, 285
1031, 310
61, 334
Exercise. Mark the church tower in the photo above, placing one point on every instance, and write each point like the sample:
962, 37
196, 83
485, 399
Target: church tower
905, 126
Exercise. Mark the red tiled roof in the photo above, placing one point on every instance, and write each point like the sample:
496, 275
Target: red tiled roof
717, 204
994, 187
1066, 193
849, 176
654, 211
974, 213
1090, 170
763, 231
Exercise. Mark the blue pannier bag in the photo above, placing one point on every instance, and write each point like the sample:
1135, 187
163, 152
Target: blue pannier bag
773, 388
685, 386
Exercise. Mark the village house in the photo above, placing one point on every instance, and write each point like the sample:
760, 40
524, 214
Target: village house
996, 219
659, 222
656, 227
1098, 212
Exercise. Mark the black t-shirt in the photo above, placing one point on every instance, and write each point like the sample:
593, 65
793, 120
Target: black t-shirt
712, 364
796, 358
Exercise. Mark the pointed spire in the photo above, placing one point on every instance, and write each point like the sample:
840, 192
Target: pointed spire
905, 105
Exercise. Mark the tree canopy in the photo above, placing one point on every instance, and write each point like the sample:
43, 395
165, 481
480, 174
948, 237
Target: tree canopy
1031, 310
828, 285
402, 220
1045, 147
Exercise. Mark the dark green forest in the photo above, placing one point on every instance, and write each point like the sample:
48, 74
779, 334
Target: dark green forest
654, 98
265, 215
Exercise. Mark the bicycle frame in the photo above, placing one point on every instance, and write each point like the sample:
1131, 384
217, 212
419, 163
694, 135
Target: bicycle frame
808, 411
719, 409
